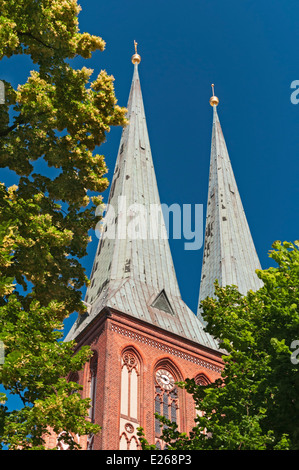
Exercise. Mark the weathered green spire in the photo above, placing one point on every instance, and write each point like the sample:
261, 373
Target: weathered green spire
136, 276
229, 252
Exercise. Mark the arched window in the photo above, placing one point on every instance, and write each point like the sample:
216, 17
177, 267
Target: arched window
166, 398
92, 381
133, 444
201, 379
123, 442
129, 400
129, 385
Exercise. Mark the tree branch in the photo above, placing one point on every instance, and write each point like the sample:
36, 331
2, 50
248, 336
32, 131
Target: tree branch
35, 39
9, 129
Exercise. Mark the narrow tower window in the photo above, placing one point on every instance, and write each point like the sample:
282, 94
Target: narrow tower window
92, 386
129, 400
201, 379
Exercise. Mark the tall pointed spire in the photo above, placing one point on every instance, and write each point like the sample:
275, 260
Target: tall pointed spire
135, 274
229, 251
134, 191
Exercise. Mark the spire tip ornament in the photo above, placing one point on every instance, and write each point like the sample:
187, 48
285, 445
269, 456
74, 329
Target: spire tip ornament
214, 101
136, 59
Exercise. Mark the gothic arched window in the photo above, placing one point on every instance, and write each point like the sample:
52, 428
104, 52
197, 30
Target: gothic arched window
166, 398
201, 379
129, 385
92, 381
129, 400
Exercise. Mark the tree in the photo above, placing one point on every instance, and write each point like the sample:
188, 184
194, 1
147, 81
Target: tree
50, 125
254, 405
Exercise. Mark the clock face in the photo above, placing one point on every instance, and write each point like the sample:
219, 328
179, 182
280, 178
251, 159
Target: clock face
165, 379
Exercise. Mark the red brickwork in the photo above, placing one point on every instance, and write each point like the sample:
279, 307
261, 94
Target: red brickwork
108, 337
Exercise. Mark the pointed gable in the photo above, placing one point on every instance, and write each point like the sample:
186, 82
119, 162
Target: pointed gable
161, 302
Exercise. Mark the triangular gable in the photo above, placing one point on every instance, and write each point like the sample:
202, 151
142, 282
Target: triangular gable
162, 303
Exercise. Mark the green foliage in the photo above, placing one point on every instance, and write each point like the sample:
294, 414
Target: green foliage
254, 404
50, 127
142, 439
34, 367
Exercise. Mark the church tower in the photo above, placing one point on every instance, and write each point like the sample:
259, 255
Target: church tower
143, 336
229, 252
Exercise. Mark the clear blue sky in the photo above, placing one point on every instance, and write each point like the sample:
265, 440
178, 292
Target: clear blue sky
249, 49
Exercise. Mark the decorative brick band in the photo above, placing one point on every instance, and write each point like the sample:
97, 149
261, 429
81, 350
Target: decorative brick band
165, 348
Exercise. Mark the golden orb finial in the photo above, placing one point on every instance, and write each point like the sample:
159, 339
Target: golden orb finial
214, 101
136, 59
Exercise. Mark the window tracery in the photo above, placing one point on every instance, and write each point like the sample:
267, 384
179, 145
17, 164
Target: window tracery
166, 399
129, 400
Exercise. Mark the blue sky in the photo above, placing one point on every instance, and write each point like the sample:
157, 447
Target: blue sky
249, 49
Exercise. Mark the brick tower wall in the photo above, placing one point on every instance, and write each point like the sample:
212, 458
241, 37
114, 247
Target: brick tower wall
154, 349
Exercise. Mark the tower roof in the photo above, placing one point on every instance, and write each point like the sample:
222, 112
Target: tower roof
229, 252
133, 271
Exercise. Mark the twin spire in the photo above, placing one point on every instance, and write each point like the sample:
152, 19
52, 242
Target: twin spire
136, 276
229, 252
